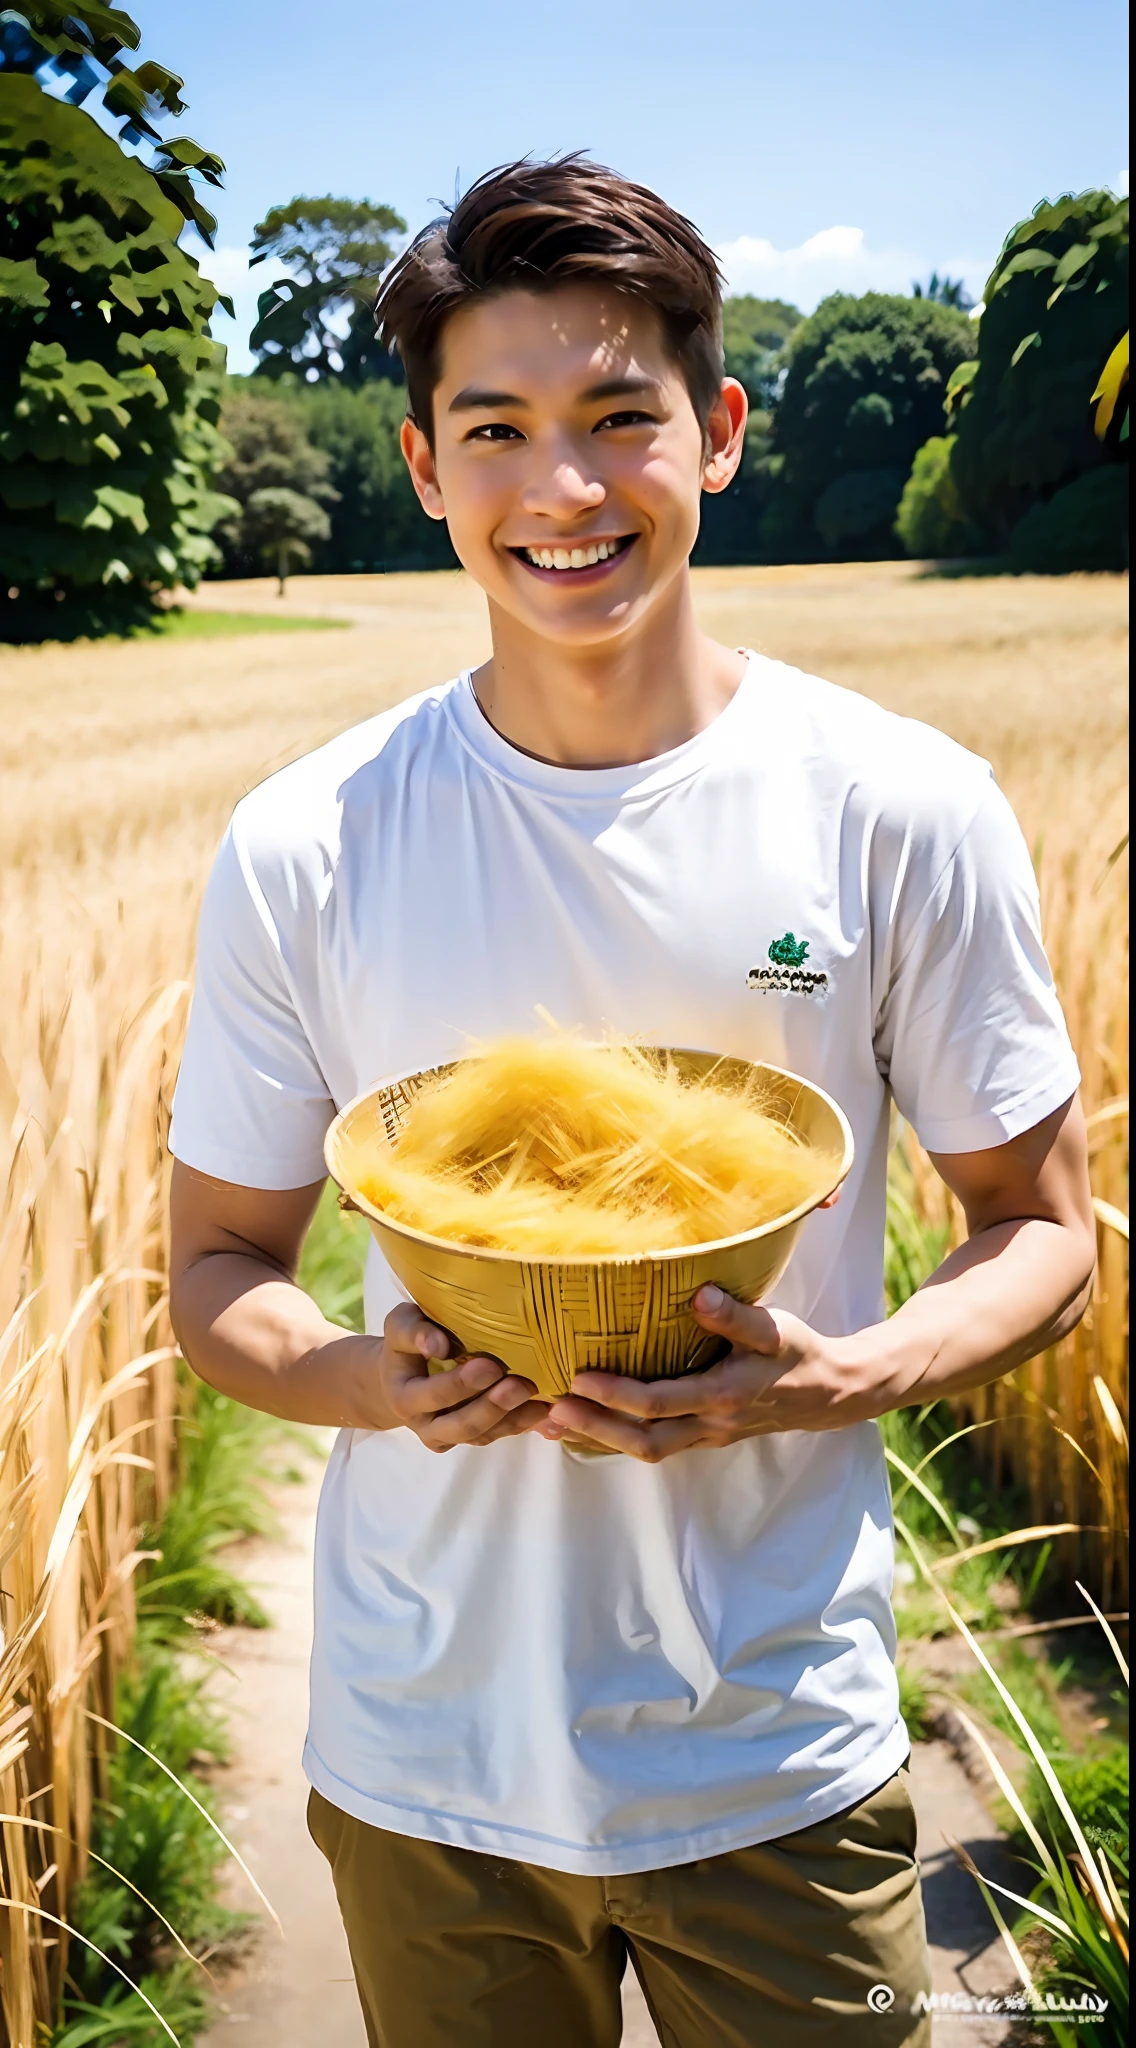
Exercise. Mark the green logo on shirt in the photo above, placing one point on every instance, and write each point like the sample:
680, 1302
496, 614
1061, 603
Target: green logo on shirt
788, 975
789, 951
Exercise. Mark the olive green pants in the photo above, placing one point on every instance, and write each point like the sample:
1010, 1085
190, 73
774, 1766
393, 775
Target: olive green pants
816, 1939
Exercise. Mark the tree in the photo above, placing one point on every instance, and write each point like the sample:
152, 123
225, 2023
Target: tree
931, 521
754, 334
865, 388
335, 251
944, 291
378, 522
270, 454
1021, 413
109, 380
754, 337
280, 525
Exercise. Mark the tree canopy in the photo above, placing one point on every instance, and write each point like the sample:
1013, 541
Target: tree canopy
280, 483
108, 377
1056, 305
333, 252
865, 387
754, 333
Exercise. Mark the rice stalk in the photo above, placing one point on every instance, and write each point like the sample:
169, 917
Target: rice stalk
86, 1414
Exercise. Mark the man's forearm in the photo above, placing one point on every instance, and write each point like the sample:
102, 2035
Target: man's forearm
1006, 1294
254, 1335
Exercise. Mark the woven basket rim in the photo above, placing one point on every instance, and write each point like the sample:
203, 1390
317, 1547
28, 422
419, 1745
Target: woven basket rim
615, 1259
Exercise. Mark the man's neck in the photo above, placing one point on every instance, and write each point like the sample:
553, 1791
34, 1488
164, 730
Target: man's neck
627, 699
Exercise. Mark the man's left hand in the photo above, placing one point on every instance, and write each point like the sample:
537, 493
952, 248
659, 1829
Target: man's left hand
778, 1375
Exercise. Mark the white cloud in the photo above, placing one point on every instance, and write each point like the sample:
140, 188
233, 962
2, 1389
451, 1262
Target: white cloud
1120, 183
836, 259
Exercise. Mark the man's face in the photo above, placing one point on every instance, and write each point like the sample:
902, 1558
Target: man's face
568, 459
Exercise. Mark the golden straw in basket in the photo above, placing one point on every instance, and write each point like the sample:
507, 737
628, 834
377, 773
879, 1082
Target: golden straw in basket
548, 1319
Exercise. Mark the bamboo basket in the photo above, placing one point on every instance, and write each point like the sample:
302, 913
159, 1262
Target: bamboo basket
548, 1319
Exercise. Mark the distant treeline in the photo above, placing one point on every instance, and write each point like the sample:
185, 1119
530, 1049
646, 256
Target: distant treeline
878, 424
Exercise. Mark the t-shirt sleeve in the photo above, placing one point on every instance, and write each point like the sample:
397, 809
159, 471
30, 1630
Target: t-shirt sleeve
251, 1104
970, 1033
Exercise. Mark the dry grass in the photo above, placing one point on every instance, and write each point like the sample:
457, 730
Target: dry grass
118, 767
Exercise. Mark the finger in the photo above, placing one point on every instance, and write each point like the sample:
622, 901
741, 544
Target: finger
750, 1328
651, 1400
416, 1394
529, 1416
476, 1421
649, 1442
406, 1329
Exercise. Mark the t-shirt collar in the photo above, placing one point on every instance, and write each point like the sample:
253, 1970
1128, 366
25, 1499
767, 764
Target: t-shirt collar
628, 781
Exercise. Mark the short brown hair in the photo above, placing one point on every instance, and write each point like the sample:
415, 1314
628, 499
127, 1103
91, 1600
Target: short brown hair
533, 226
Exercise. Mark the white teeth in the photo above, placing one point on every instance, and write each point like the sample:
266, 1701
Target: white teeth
573, 558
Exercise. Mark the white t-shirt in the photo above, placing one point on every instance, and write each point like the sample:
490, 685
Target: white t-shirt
593, 1664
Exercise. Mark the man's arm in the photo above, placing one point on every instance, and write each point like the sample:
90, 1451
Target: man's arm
1020, 1282
246, 1327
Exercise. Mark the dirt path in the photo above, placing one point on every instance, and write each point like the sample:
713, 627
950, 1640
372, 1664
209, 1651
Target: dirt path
298, 1992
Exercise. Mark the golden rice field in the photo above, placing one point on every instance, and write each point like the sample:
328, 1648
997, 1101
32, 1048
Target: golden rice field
118, 767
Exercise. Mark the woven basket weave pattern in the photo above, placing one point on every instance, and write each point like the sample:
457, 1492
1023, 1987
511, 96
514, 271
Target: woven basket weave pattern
551, 1318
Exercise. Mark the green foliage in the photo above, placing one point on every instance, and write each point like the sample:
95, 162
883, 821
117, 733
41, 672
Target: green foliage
732, 521
331, 1264
86, 41
944, 291
334, 252
931, 521
1097, 1790
156, 1841
279, 482
120, 2020
164, 1856
378, 522
865, 388
224, 1451
1083, 526
912, 1248
1055, 306
754, 334
281, 526
108, 385
914, 1701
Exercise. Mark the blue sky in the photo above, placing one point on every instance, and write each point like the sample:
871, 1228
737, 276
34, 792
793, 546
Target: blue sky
818, 144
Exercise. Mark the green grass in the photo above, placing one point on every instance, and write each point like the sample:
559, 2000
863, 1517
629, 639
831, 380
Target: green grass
159, 1847
165, 1857
226, 1453
914, 1701
193, 625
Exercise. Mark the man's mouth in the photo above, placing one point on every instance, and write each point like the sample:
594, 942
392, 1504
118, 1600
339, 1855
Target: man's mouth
579, 556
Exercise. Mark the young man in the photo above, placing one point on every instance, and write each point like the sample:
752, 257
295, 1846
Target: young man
568, 1708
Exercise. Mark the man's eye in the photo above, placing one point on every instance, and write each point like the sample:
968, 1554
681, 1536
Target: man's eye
496, 430
624, 419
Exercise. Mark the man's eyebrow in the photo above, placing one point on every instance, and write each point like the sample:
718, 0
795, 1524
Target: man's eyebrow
475, 399
619, 387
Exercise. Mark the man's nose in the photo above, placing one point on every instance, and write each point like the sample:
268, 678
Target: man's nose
561, 487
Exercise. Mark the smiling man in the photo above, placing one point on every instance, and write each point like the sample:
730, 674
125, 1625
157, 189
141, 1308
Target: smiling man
570, 1709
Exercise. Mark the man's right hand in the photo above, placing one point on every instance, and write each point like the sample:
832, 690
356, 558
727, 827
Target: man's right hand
248, 1329
477, 1402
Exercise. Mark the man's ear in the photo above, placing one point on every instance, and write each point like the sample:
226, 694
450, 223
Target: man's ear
420, 462
725, 433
